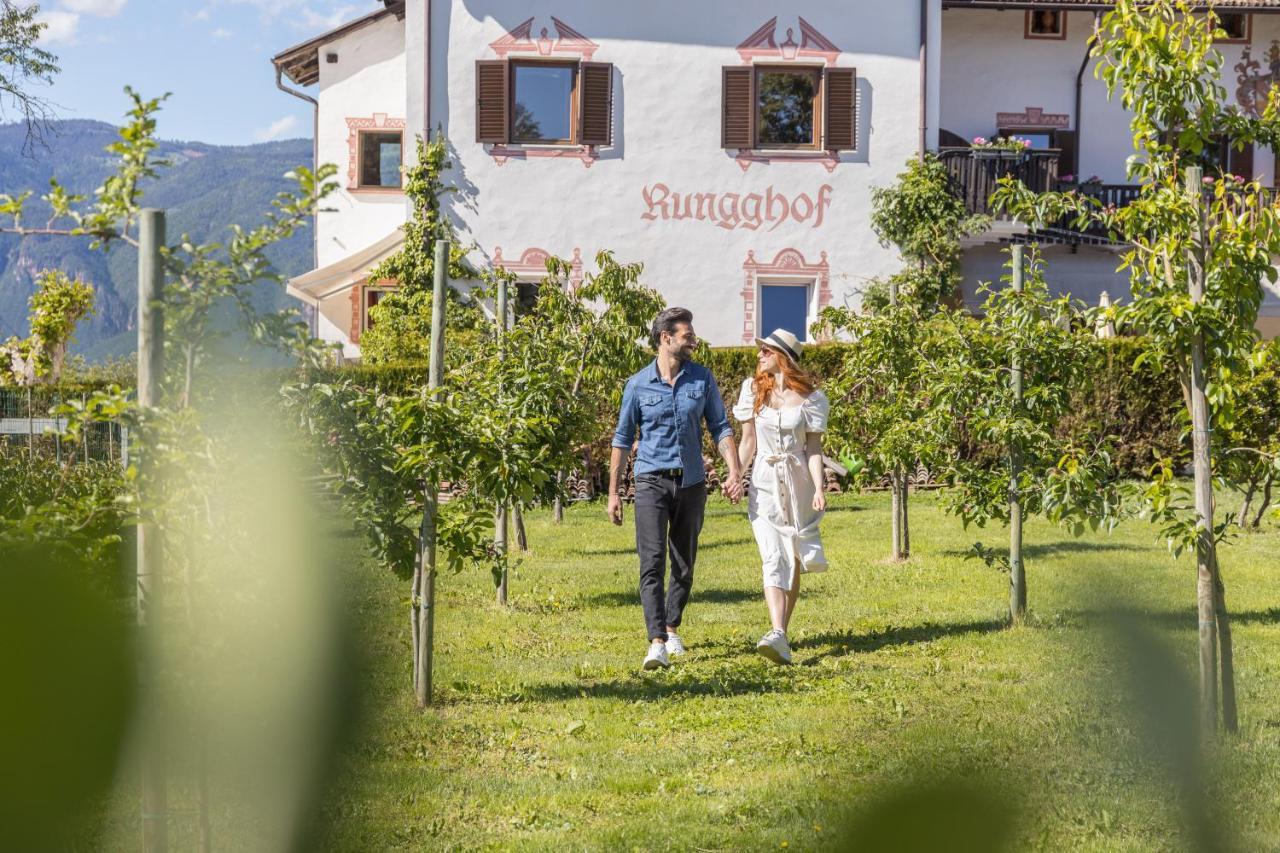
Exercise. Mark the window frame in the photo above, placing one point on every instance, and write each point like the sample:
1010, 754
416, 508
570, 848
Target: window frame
366, 322
1247, 38
1061, 35
575, 66
811, 294
361, 134
818, 73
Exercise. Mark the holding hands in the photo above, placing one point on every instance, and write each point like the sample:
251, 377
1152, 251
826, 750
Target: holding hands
732, 487
819, 501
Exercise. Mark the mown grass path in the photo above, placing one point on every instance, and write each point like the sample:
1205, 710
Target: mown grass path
548, 736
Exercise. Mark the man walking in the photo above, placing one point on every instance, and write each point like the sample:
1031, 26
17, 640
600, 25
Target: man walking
666, 403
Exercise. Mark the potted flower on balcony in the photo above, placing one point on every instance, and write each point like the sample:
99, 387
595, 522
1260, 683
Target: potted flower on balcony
1000, 147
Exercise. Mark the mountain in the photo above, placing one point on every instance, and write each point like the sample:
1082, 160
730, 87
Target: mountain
205, 190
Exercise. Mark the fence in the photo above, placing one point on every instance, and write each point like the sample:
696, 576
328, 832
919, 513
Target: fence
27, 424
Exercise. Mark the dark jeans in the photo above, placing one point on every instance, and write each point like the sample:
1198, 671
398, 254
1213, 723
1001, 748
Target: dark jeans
668, 520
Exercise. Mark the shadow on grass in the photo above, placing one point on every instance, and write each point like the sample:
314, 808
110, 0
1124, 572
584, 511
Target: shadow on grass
839, 643
631, 597
630, 549
1048, 549
1167, 619
703, 676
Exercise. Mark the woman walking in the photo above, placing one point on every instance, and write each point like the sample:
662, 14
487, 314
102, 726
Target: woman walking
783, 418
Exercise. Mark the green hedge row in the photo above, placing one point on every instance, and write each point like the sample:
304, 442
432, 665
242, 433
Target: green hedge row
1138, 405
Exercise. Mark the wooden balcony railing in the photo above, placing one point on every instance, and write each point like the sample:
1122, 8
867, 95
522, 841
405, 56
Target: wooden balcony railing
975, 172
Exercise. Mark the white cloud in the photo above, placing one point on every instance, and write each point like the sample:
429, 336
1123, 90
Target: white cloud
221, 33
276, 129
336, 17
100, 8
202, 16
60, 27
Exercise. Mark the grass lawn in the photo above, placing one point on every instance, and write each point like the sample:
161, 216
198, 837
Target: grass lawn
547, 735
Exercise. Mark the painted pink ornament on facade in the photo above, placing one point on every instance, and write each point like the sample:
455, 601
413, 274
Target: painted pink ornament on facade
790, 265
567, 41
763, 44
377, 121
749, 211
532, 265
1034, 117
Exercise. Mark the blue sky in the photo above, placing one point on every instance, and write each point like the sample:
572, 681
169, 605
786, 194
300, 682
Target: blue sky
214, 56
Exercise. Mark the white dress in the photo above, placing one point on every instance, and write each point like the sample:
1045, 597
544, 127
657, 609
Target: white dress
780, 502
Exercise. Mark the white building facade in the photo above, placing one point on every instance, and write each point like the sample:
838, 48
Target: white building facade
730, 147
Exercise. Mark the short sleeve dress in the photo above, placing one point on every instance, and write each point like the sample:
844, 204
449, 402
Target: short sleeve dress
780, 502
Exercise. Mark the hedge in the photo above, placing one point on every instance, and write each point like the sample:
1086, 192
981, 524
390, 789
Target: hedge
1140, 406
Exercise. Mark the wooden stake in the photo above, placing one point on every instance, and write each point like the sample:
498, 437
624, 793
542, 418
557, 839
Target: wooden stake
425, 586
155, 817
1017, 571
500, 516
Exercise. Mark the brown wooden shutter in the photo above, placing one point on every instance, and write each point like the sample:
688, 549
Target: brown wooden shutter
596, 81
1065, 142
737, 108
1241, 162
491, 101
841, 117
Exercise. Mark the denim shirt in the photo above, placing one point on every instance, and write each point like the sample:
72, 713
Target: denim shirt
669, 420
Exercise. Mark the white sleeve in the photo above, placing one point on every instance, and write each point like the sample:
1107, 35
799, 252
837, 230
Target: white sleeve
744, 409
816, 410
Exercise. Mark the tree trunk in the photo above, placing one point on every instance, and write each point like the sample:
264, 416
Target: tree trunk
522, 538
415, 604
557, 508
1230, 716
895, 511
1266, 502
500, 542
1242, 517
1206, 558
905, 524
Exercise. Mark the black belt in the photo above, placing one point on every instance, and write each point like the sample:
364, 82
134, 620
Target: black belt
673, 473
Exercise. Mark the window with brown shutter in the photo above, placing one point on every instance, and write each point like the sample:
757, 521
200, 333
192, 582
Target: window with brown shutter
788, 107
737, 108
596, 85
841, 118
491, 101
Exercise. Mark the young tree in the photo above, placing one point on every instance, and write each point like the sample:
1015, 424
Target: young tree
1199, 248
882, 397
24, 65
57, 306
595, 334
924, 220
1008, 388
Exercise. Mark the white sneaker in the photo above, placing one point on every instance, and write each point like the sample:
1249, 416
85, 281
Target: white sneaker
775, 647
657, 656
675, 645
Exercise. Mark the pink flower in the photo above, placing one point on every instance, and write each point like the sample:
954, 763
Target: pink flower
1067, 178
1206, 180
1238, 179
1026, 143
979, 140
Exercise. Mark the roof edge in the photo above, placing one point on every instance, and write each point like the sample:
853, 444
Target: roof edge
301, 64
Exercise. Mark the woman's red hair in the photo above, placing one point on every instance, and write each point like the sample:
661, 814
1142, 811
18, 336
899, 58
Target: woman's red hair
793, 377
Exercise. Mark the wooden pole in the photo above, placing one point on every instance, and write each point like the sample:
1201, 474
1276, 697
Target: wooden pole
427, 559
1203, 490
31, 429
84, 435
897, 481
1017, 571
500, 516
155, 818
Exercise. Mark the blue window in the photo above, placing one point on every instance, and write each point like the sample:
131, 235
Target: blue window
784, 306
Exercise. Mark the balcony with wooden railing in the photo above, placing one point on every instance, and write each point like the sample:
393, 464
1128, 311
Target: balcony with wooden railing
976, 172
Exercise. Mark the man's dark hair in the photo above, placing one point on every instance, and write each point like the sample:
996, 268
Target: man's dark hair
667, 322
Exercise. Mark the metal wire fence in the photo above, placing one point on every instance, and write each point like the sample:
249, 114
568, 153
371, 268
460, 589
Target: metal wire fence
28, 424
